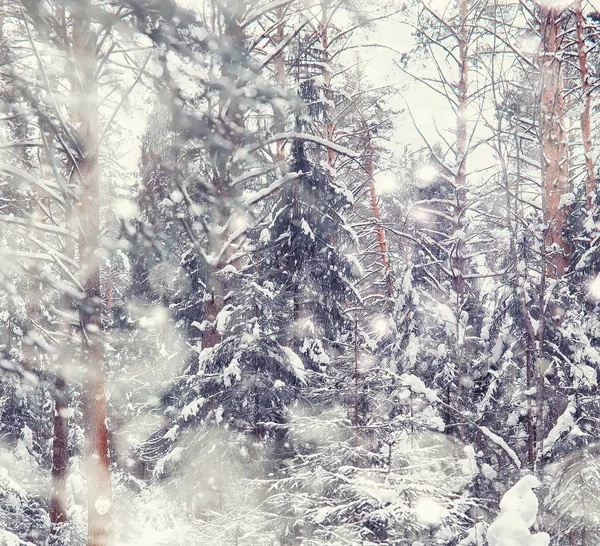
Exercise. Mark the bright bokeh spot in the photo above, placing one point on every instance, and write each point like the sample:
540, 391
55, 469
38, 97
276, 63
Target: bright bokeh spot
594, 288
560, 4
529, 44
426, 175
386, 183
239, 222
125, 208
420, 215
381, 326
429, 512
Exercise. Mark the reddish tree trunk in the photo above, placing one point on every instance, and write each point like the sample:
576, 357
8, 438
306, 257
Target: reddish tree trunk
60, 460
100, 527
381, 238
60, 433
329, 128
553, 141
586, 131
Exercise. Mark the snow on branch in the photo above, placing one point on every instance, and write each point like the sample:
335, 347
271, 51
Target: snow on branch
43, 185
563, 424
256, 13
297, 136
501, 443
253, 197
32, 224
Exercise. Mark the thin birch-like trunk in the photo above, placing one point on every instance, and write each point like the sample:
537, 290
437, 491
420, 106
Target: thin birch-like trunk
458, 261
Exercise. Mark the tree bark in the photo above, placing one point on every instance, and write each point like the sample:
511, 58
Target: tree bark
553, 141
60, 443
381, 238
458, 260
328, 95
529, 334
279, 64
586, 97
87, 174
60, 457
232, 12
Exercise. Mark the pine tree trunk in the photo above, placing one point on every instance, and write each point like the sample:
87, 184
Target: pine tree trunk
279, 63
463, 83
60, 457
60, 443
229, 110
87, 174
586, 97
329, 128
553, 141
356, 386
381, 238
530, 339
458, 261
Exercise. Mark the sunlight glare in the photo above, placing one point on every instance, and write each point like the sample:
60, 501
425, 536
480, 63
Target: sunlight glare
594, 288
426, 175
386, 183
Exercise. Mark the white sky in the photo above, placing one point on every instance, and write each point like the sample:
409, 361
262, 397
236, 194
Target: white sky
430, 110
